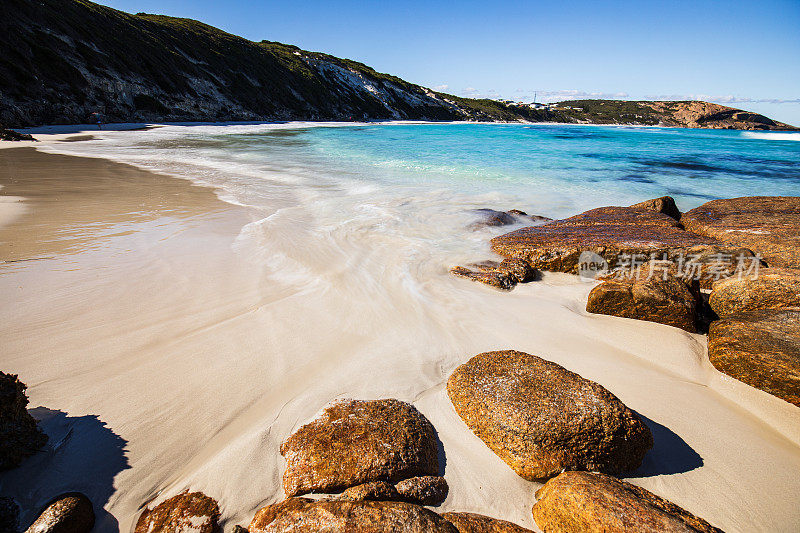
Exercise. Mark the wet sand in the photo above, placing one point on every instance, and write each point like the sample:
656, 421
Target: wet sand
161, 355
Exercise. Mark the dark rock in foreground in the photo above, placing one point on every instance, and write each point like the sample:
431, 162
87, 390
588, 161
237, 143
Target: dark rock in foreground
769, 225
665, 205
760, 348
584, 502
11, 135
354, 442
770, 288
666, 301
9, 515
424, 490
477, 523
542, 419
19, 434
70, 513
189, 511
305, 515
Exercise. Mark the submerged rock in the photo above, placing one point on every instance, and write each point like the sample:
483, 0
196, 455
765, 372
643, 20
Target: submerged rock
769, 225
664, 205
666, 301
771, 288
760, 348
189, 511
584, 502
19, 434
542, 419
493, 278
491, 217
354, 442
70, 513
503, 275
305, 515
425, 490
477, 523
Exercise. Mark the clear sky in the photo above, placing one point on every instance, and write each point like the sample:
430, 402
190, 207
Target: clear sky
743, 53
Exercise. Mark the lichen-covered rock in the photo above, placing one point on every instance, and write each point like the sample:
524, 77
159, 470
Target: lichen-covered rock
478, 523
760, 348
303, 515
518, 270
354, 442
589, 502
770, 288
769, 225
9, 515
542, 419
189, 511
374, 490
666, 301
19, 434
69, 513
664, 205
425, 490
613, 233
493, 278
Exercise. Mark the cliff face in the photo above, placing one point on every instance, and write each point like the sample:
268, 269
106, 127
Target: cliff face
62, 60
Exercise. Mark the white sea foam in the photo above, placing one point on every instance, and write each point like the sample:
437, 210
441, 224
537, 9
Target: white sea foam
772, 135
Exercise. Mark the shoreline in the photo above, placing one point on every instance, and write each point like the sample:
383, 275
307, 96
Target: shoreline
178, 355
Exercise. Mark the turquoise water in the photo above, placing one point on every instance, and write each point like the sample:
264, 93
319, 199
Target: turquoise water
557, 170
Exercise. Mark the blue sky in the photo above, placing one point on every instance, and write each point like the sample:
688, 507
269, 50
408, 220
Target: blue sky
741, 53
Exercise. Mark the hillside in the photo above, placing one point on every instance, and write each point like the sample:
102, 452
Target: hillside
62, 60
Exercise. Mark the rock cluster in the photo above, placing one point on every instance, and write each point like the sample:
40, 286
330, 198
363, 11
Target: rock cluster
19, 434
589, 502
542, 419
500, 275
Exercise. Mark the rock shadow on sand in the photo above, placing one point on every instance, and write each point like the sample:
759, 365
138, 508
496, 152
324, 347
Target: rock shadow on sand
82, 455
670, 453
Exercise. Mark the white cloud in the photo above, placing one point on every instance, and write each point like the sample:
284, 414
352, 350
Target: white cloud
442, 88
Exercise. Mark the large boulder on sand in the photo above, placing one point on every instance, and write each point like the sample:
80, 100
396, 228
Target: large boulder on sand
354, 442
19, 434
542, 419
478, 523
770, 288
69, 513
666, 301
769, 225
189, 511
584, 502
664, 205
760, 348
613, 233
303, 515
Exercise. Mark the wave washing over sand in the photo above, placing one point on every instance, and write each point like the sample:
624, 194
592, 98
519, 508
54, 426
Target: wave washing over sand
207, 347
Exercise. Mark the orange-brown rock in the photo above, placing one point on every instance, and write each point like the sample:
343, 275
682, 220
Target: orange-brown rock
189, 511
666, 301
478, 523
374, 490
760, 348
664, 205
354, 442
303, 515
425, 490
589, 502
770, 288
19, 434
503, 275
613, 233
768, 225
70, 513
542, 419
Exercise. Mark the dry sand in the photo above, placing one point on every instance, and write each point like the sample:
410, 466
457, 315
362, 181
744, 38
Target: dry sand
161, 356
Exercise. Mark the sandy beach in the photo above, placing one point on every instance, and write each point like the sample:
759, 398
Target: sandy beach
164, 352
